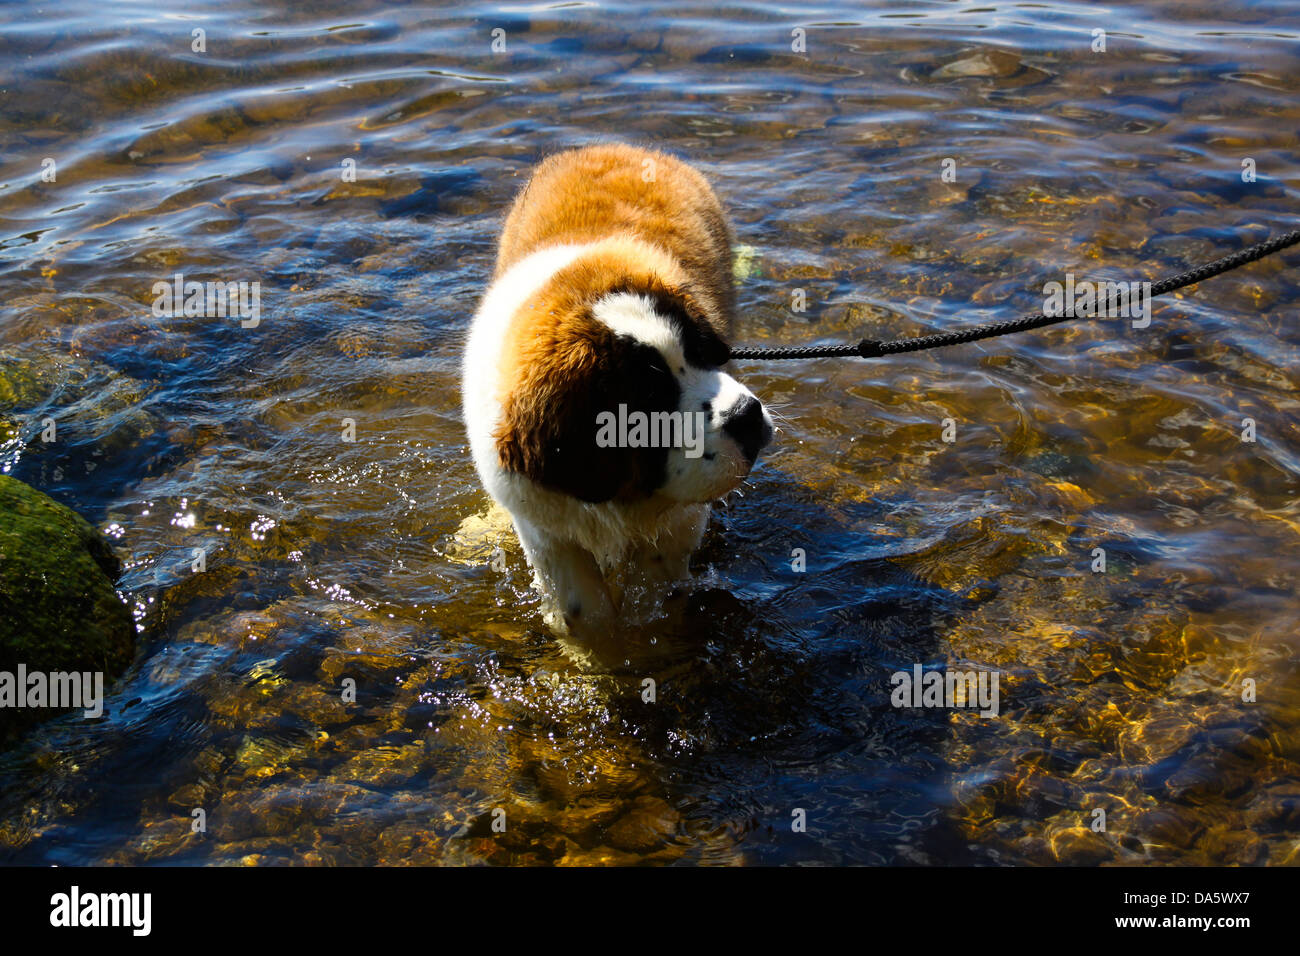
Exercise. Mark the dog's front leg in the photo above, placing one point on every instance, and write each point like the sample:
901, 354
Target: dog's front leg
667, 560
569, 575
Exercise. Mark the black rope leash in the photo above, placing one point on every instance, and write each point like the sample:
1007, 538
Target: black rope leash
873, 348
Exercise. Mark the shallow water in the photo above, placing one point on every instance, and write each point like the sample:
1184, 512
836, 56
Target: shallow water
328, 559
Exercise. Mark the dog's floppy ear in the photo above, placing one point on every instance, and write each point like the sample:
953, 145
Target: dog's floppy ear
548, 427
550, 420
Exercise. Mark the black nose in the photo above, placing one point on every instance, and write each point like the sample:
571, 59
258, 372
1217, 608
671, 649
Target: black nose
746, 424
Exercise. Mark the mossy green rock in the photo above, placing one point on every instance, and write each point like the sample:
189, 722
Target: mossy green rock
58, 609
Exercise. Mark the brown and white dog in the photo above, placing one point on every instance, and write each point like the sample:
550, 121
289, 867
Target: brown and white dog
612, 303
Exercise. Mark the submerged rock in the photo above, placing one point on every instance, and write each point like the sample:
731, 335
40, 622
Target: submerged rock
1002, 66
65, 415
58, 609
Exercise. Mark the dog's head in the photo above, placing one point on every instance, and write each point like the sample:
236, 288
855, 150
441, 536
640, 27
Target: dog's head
621, 395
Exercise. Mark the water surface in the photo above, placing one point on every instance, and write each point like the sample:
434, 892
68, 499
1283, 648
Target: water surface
329, 560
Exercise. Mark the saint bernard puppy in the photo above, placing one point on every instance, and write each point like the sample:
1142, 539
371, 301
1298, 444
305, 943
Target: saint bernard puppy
597, 409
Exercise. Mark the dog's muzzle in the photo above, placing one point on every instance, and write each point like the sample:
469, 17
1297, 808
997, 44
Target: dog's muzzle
746, 423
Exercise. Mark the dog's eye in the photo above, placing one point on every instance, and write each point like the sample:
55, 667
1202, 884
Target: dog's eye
712, 355
705, 350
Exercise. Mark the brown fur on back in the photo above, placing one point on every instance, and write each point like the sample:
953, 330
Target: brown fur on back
598, 192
